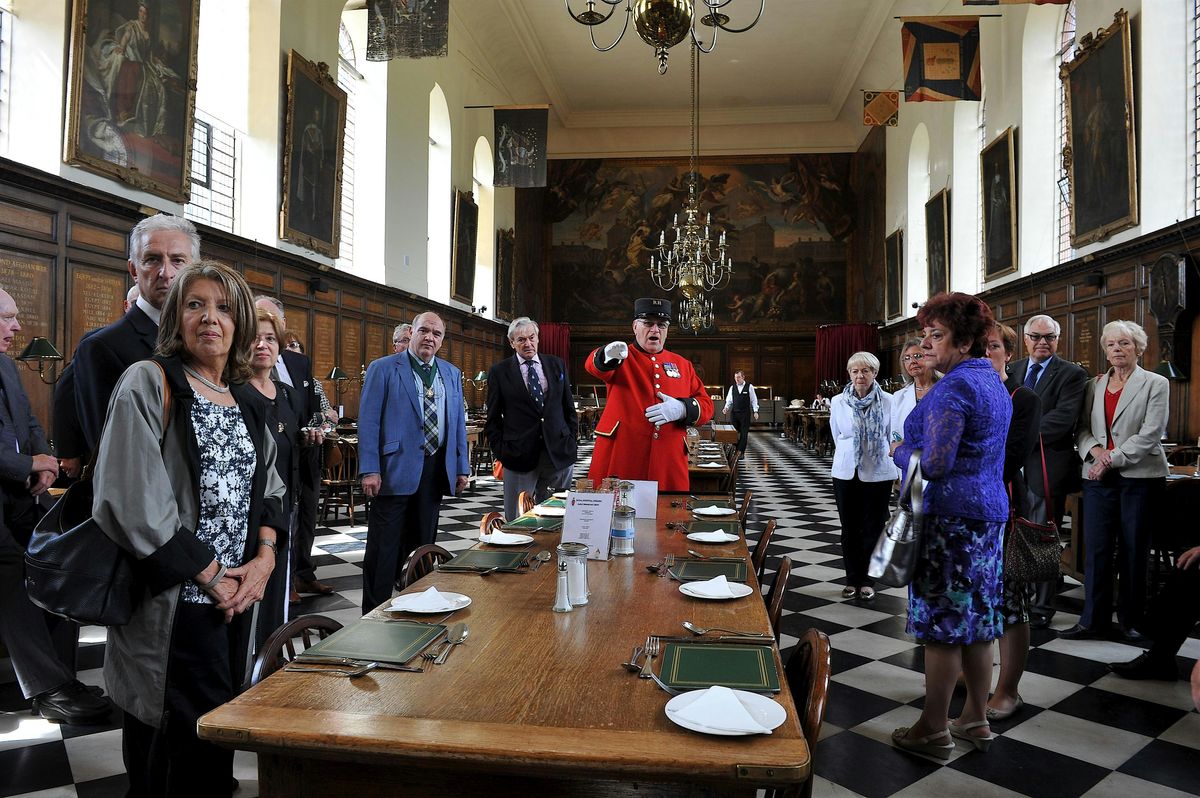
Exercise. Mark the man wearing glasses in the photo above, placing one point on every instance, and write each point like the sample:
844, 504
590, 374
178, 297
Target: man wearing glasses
400, 338
653, 395
1060, 385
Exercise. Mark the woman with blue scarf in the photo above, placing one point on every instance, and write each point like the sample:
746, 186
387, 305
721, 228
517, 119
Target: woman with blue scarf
860, 422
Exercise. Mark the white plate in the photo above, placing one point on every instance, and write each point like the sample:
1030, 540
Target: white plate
763, 709
712, 465
458, 601
562, 494
549, 512
696, 536
738, 589
714, 510
512, 539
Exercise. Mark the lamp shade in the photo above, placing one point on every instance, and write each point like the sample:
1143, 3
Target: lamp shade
39, 348
337, 374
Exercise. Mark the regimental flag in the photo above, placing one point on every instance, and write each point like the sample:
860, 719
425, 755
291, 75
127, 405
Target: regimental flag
520, 136
1015, 2
881, 108
407, 29
941, 59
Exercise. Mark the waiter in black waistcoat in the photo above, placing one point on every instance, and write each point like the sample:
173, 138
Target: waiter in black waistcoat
742, 403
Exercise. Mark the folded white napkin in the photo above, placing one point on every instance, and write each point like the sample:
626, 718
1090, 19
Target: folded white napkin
719, 708
429, 601
713, 509
711, 465
710, 537
503, 538
713, 588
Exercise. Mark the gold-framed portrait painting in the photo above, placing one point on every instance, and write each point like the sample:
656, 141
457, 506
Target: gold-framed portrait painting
132, 92
462, 255
1100, 156
894, 274
937, 242
311, 212
998, 181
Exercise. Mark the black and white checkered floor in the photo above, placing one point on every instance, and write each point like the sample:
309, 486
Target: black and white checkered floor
1083, 731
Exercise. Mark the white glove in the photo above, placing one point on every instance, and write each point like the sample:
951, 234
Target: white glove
617, 350
666, 411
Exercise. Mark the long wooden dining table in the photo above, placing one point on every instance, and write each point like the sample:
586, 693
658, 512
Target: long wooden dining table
532, 703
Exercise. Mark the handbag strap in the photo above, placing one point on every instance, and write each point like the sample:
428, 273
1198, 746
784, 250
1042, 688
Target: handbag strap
166, 417
917, 496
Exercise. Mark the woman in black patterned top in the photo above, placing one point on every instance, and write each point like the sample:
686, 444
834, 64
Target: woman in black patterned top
185, 481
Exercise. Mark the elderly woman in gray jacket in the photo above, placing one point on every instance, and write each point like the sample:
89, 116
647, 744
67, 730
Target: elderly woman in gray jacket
188, 486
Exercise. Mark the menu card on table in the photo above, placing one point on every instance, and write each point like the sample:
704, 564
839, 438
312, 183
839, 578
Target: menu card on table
644, 498
589, 521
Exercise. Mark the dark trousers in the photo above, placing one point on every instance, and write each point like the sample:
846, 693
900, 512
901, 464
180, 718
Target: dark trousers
863, 510
741, 422
397, 525
1173, 612
1115, 511
175, 761
306, 518
1045, 592
41, 646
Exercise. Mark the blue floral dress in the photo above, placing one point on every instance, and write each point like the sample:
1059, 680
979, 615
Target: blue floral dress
960, 427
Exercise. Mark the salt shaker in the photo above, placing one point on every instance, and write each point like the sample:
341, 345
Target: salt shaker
575, 556
562, 598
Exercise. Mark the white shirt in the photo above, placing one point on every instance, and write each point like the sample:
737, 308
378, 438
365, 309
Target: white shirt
903, 402
729, 398
154, 313
841, 427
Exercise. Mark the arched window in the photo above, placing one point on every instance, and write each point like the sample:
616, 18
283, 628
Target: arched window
348, 78
1066, 51
917, 279
483, 174
440, 197
1195, 76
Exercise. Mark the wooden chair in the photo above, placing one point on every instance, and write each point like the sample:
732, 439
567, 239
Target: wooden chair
422, 561
491, 523
745, 508
733, 460
775, 597
280, 648
524, 503
758, 557
337, 483
807, 672
1183, 455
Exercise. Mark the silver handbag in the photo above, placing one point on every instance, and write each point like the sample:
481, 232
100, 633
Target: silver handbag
896, 552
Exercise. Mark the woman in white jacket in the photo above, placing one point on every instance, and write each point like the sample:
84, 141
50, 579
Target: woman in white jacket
860, 422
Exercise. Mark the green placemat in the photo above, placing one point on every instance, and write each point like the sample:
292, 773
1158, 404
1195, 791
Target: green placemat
378, 641
475, 559
533, 523
694, 666
732, 527
697, 570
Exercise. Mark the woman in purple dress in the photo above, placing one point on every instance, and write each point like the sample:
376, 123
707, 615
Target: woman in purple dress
955, 598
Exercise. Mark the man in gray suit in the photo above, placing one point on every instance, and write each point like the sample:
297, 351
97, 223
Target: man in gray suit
42, 648
1060, 385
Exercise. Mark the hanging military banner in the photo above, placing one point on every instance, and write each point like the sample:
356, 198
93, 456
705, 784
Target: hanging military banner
520, 137
941, 59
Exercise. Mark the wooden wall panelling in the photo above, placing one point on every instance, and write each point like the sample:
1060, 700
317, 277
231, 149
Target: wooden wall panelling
350, 356
29, 219
28, 278
96, 237
323, 350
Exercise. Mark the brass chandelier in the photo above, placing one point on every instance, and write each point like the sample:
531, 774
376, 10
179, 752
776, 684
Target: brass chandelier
691, 261
662, 24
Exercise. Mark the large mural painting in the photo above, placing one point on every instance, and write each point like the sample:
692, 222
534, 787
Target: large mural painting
786, 218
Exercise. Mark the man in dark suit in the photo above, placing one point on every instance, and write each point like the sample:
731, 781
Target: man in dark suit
295, 369
159, 246
42, 648
412, 451
531, 421
1060, 385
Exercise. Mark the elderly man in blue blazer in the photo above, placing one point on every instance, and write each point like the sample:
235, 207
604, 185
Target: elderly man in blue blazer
412, 451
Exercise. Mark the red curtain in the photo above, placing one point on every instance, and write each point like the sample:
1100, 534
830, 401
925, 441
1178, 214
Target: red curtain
836, 343
555, 339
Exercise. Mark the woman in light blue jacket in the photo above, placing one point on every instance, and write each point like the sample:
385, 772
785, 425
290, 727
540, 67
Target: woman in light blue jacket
860, 422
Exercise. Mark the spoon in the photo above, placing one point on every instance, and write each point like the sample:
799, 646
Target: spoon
458, 634
540, 557
700, 630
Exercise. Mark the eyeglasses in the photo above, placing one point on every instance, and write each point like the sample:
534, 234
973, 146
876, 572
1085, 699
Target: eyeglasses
662, 325
911, 358
1048, 337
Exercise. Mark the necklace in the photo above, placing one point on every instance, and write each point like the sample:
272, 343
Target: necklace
205, 380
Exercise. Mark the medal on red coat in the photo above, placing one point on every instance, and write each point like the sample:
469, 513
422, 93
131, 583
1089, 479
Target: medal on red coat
671, 369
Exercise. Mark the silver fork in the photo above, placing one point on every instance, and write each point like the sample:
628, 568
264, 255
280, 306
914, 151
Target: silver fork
666, 686
667, 564
651, 652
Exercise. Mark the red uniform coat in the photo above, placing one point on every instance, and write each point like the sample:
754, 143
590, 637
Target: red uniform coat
627, 445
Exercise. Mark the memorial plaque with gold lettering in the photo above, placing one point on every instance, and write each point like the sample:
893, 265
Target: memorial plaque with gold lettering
323, 349
1085, 341
351, 361
27, 279
97, 299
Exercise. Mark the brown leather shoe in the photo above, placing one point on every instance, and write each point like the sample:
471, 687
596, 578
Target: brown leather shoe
313, 586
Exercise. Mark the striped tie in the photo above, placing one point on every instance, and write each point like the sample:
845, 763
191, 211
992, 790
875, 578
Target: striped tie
429, 422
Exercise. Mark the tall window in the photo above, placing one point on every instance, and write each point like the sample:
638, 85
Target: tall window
1195, 76
1066, 52
348, 77
483, 173
5, 73
441, 197
215, 151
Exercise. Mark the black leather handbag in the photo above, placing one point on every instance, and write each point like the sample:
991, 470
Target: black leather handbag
72, 568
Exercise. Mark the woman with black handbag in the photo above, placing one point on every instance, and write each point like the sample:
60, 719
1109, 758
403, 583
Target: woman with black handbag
955, 594
195, 498
1018, 595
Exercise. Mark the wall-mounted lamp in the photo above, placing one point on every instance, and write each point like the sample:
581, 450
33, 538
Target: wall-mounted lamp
41, 350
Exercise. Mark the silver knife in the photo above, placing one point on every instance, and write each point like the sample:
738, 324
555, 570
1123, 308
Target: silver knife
313, 659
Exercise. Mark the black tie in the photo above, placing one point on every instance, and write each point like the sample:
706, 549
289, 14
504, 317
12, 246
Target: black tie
535, 385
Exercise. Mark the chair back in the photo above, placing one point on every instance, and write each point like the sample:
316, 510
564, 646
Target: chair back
524, 503
775, 597
422, 561
745, 508
1183, 455
332, 459
807, 672
280, 648
490, 523
759, 556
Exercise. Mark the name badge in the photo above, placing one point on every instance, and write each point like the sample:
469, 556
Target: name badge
671, 369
